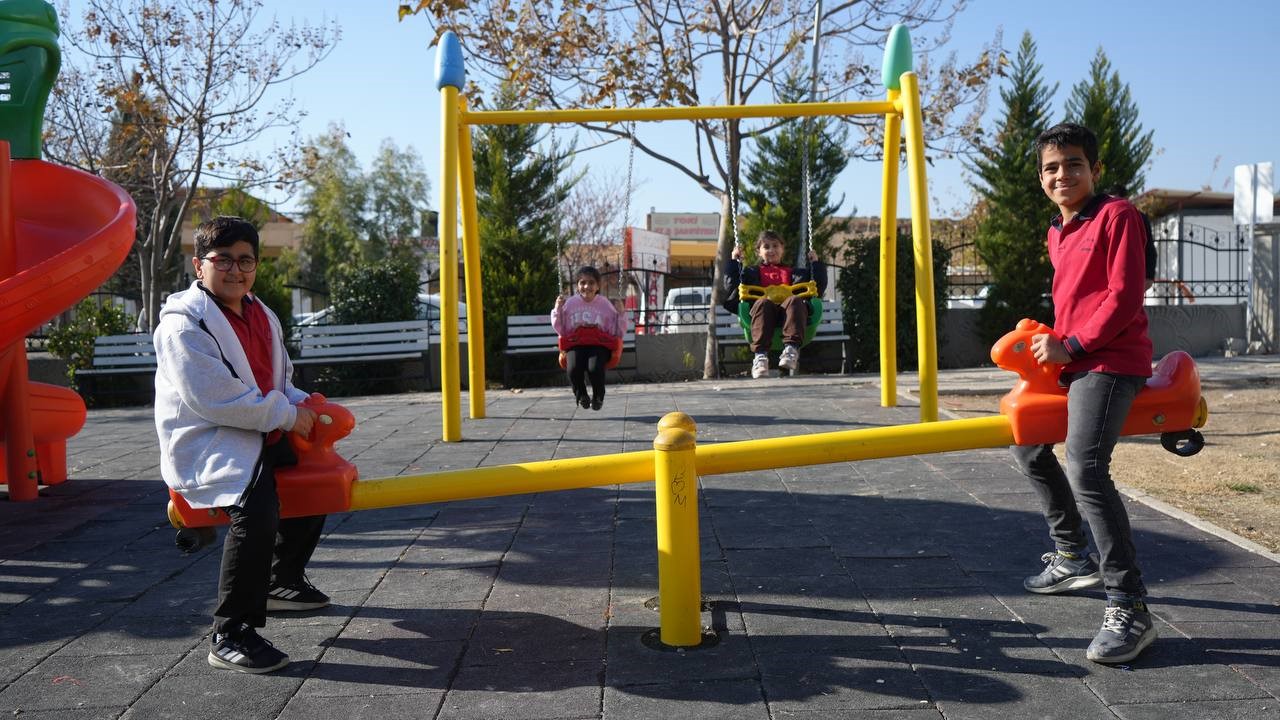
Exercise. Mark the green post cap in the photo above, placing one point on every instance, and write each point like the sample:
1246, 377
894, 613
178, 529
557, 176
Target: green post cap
29, 62
897, 57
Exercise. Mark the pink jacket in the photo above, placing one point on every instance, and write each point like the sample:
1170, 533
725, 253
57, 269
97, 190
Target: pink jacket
577, 313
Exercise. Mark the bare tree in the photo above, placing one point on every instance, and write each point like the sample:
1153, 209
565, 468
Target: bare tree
183, 82
624, 53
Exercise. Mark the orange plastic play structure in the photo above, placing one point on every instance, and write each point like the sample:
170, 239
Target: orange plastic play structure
318, 485
1170, 404
62, 234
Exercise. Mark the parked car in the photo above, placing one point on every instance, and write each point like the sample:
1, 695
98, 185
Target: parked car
427, 308
686, 309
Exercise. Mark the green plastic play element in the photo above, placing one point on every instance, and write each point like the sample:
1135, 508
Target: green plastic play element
815, 318
29, 62
897, 58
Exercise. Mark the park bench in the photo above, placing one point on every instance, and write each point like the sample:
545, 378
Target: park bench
532, 348
399, 344
122, 365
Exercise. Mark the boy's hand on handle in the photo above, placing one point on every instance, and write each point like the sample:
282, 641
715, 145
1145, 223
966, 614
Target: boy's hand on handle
813, 255
1047, 348
737, 253
559, 302
305, 421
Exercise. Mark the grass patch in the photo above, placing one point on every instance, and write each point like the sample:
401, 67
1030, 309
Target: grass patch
1244, 487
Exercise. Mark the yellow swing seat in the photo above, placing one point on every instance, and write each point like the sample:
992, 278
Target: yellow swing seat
777, 294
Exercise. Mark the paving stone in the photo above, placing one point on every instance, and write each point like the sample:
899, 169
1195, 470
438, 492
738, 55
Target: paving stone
215, 697
363, 707
867, 680
1217, 710
985, 695
708, 700
75, 682
382, 666
534, 691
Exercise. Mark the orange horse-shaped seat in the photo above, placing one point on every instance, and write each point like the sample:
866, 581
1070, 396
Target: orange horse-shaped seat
318, 485
1037, 405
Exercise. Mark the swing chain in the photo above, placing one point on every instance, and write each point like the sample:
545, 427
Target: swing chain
733, 186
631, 162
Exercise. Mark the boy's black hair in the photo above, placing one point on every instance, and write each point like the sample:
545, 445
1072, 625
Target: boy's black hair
1064, 134
224, 231
589, 271
768, 235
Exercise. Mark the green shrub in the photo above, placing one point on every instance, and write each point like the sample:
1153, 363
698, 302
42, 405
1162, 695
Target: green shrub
73, 341
268, 286
383, 291
859, 286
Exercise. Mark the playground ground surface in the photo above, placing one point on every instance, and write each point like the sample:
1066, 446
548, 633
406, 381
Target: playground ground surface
885, 589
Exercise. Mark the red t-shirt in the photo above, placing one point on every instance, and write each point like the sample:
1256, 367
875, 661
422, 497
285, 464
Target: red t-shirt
253, 329
775, 275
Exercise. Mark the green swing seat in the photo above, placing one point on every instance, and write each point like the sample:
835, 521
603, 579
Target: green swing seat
754, 292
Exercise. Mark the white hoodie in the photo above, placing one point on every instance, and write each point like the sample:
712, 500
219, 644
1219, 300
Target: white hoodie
210, 414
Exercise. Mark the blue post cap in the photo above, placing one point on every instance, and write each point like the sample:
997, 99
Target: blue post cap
449, 69
897, 57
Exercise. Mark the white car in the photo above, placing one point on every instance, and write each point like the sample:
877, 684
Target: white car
686, 309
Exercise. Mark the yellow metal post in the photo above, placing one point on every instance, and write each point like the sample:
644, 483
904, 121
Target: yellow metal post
471, 270
889, 258
675, 476
450, 380
700, 112
926, 341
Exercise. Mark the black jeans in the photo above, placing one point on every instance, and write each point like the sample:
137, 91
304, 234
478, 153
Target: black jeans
1097, 406
586, 361
260, 548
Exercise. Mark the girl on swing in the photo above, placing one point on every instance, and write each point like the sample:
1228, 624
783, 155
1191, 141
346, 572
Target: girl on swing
592, 326
766, 315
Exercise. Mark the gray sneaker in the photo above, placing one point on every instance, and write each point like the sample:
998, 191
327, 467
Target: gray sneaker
1126, 632
1063, 574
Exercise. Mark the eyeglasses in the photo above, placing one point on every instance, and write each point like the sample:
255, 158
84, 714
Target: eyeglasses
246, 263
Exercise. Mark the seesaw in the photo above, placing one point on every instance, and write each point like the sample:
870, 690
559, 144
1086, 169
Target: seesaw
1034, 412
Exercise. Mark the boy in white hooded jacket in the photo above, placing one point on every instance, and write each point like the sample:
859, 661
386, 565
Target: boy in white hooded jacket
224, 398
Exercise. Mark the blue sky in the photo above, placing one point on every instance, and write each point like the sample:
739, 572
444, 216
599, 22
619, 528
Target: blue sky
1201, 74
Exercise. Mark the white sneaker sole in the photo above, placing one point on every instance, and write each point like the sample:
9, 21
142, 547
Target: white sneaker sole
1067, 585
221, 664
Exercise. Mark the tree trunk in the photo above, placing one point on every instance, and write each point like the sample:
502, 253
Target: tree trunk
711, 362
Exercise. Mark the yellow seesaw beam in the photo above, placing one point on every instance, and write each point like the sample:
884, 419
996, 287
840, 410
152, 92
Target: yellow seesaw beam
714, 459
697, 112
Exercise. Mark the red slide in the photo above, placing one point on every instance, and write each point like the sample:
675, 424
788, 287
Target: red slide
63, 232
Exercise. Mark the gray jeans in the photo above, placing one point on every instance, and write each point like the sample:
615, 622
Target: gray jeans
1097, 406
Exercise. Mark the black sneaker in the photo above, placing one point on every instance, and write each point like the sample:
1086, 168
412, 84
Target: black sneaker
1063, 574
245, 651
584, 401
597, 403
300, 595
1126, 632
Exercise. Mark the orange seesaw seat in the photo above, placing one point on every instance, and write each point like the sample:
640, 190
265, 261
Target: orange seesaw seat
318, 485
1170, 404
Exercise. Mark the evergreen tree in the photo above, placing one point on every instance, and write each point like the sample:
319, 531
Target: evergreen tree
518, 194
334, 200
774, 180
1103, 104
1014, 211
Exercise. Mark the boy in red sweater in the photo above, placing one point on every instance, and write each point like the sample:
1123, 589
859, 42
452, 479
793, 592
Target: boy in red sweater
1096, 246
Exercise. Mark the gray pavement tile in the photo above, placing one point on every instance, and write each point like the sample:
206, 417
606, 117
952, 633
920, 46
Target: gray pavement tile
1252, 648
503, 638
921, 572
926, 711
983, 696
1172, 669
534, 691
980, 647
708, 700
175, 599
560, 601
382, 666
932, 607
864, 680
1204, 603
439, 622
1216, 710
774, 630
1265, 581
413, 588
817, 592
215, 697
790, 562
363, 707
124, 635
72, 682
630, 662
